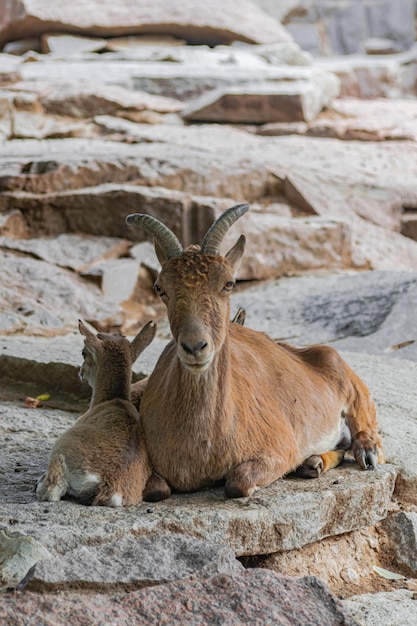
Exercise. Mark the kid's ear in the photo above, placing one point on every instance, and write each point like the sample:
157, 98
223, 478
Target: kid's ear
90, 337
142, 340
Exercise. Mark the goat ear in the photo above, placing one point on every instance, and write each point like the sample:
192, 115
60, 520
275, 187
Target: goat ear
235, 254
160, 252
90, 337
142, 340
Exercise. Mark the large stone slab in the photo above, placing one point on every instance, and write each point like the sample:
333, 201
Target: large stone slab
288, 514
193, 21
255, 596
131, 561
259, 103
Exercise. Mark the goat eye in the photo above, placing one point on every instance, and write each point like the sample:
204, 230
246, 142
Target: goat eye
84, 353
229, 285
158, 290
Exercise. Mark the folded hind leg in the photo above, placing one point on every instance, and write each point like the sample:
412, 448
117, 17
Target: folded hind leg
317, 464
54, 484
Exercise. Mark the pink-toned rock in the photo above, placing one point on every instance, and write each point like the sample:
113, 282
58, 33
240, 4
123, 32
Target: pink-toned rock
255, 597
197, 22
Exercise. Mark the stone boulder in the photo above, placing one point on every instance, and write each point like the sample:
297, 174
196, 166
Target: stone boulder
255, 596
196, 22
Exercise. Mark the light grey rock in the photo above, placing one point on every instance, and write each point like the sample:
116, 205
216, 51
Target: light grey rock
368, 312
21, 46
18, 556
394, 20
389, 608
307, 36
69, 45
347, 28
401, 529
39, 298
118, 278
71, 251
141, 561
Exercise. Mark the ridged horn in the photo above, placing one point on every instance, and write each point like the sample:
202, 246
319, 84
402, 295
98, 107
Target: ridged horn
216, 232
165, 237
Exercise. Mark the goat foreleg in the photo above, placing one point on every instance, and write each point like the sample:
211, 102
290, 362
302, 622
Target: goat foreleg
360, 414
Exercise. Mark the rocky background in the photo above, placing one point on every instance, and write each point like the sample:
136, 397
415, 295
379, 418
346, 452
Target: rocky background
305, 109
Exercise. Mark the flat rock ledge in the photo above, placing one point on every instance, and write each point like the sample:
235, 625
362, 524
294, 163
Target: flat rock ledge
289, 514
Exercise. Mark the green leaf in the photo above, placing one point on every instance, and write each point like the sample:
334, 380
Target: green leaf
43, 397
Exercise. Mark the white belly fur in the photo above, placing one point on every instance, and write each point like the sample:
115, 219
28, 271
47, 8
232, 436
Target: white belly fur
328, 441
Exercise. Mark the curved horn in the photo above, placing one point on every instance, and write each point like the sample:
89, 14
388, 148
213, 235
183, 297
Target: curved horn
216, 232
164, 236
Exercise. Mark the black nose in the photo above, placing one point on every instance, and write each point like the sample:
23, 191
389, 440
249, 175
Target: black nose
195, 349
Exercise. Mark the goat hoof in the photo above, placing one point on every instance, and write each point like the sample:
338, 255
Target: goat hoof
365, 451
235, 491
156, 489
311, 468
